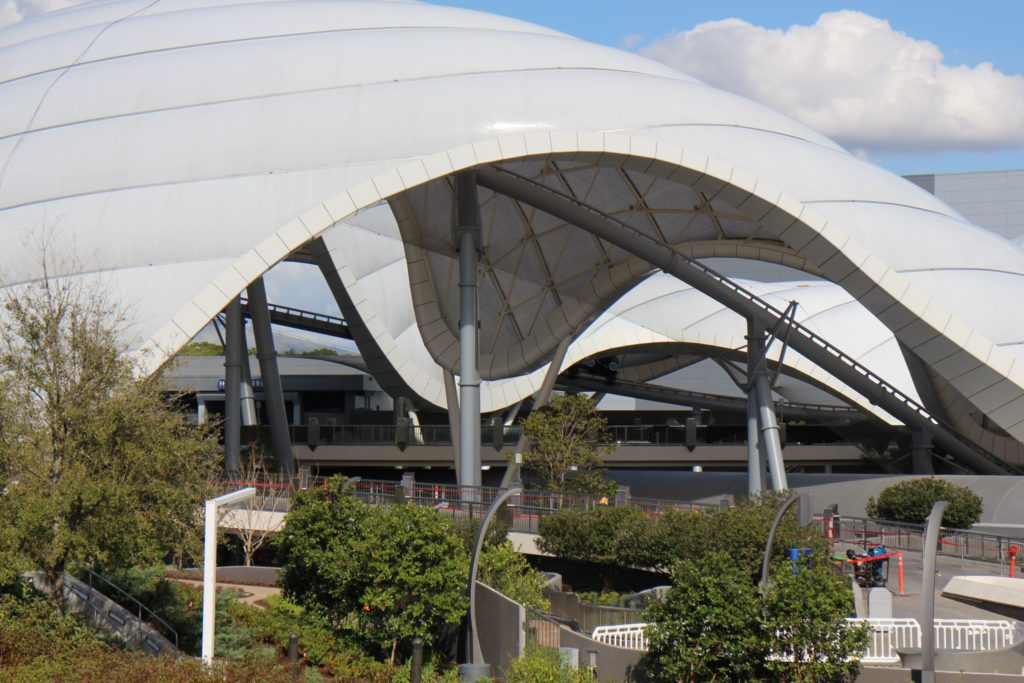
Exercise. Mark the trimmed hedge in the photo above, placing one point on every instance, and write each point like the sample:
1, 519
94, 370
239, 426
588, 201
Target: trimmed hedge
911, 501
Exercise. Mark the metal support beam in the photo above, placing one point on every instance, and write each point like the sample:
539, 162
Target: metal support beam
273, 393
234, 356
759, 383
248, 400
540, 399
755, 484
467, 242
451, 394
664, 257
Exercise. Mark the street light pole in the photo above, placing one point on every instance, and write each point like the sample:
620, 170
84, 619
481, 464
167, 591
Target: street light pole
475, 667
210, 565
803, 514
931, 540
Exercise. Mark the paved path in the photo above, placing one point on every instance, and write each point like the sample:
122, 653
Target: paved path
909, 605
249, 594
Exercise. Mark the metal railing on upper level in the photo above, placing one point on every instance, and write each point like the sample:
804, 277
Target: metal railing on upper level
524, 511
299, 319
959, 543
527, 509
616, 435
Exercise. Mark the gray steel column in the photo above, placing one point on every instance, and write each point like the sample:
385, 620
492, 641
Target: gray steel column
467, 236
921, 452
769, 435
755, 449
931, 540
233, 356
451, 394
273, 393
540, 399
248, 400
755, 485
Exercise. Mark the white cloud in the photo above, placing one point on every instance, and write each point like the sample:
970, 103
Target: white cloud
13, 11
855, 79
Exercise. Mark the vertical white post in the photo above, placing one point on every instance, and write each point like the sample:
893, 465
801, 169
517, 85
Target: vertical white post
209, 579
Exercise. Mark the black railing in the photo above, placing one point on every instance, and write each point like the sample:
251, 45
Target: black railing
143, 613
617, 435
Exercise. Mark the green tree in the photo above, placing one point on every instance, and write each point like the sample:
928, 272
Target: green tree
741, 531
911, 500
97, 467
383, 575
714, 624
805, 616
708, 626
564, 454
543, 665
508, 572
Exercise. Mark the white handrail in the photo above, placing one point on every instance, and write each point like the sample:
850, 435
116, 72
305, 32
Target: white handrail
628, 636
887, 636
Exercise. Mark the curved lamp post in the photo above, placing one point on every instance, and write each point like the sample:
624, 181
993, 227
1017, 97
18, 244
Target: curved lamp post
475, 667
804, 516
351, 481
931, 541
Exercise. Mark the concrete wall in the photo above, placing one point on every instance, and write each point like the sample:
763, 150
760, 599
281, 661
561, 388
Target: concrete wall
103, 614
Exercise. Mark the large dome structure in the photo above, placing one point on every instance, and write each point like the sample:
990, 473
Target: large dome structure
181, 148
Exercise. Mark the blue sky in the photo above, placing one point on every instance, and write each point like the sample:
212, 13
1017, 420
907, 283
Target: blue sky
966, 35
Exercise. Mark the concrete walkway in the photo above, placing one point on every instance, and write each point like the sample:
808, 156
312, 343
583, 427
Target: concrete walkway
247, 594
909, 604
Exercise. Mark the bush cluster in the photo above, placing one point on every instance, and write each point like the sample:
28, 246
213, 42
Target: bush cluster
379, 576
543, 665
911, 500
715, 624
610, 537
37, 643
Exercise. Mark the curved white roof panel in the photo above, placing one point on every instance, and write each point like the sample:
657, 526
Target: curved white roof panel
214, 138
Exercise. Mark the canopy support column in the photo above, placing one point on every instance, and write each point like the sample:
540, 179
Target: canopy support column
513, 475
921, 452
451, 394
273, 393
234, 355
760, 383
467, 242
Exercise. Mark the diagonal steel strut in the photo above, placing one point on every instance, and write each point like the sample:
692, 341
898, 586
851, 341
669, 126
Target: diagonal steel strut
720, 288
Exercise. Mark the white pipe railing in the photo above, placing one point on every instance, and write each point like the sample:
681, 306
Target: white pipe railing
628, 636
887, 636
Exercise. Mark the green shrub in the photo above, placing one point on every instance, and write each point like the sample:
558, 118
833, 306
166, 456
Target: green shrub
380, 575
37, 643
628, 537
508, 572
605, 536
911, 500
714, 625
542, 665
708, 626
